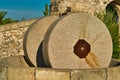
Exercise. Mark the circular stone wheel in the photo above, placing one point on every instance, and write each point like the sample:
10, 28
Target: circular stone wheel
77, 41
33, 41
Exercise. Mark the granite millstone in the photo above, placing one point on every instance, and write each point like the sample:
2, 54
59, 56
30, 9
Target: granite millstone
33, 41
77, 41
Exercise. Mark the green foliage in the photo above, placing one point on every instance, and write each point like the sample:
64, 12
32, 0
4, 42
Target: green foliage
46, 12
6, 20
2, 15
110, 19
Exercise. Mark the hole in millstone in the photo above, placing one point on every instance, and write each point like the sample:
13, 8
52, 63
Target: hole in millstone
39, 57
82, 48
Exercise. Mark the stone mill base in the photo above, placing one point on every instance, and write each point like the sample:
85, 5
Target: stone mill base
15, 68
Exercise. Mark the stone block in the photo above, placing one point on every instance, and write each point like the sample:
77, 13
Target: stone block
91, 74
20, 73
17, 61
50, 74
113, 73
14, 61
3, 61
3, 72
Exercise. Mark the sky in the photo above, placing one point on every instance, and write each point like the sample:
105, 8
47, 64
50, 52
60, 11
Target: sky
17, 9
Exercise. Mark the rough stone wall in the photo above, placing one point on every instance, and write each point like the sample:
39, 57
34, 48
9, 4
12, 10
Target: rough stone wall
90, 6
11, 42
11, 38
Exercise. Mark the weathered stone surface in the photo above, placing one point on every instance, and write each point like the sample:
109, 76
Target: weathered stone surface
33, 40
16, 25
113, 73
14, 61
20, 73
11, 38
93, 74
60, 39
3, 72
3, 61
11, 42
50, 74
90, 6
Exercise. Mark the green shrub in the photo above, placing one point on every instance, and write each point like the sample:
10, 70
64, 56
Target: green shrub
111, 21
4, 20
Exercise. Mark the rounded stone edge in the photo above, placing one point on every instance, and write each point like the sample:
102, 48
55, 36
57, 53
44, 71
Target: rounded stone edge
46, 41
27, 59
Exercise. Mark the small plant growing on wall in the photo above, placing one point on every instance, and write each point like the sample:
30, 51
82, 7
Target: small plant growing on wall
46, 11
110, 19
